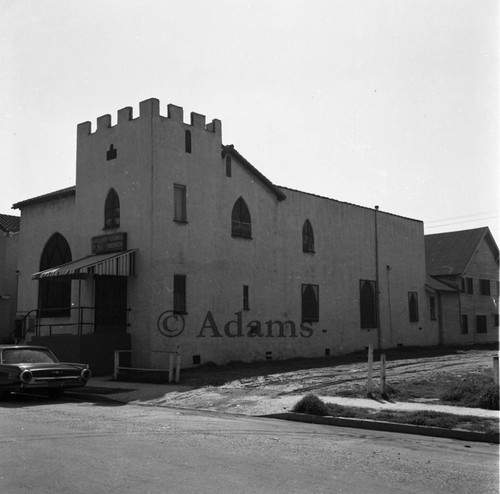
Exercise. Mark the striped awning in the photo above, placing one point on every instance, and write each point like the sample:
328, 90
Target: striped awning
110, 264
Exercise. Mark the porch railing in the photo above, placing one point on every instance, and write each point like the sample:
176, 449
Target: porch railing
174, 364
39, 322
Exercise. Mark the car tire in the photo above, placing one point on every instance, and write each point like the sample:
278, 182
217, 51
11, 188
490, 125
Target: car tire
4, 394
55, 393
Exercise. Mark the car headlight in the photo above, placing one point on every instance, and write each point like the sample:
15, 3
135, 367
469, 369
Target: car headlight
26, 376
86, 374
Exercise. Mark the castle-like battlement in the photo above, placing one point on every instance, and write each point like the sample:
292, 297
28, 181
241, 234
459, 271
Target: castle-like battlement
149, 109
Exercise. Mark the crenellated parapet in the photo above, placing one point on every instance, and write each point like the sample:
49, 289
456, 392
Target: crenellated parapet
150, 109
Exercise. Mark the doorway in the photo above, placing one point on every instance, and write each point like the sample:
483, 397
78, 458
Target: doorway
110, 303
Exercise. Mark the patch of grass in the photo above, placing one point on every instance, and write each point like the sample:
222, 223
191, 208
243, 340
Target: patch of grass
425, 418
473, 390
312, 405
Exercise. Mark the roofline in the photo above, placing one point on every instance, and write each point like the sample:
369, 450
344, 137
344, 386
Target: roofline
349, 203
231, 151
51, 196
491, 239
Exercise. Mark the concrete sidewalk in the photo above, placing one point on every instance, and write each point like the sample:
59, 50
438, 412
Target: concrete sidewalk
159, 394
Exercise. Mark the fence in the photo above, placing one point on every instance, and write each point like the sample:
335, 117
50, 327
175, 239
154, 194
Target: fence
174, 365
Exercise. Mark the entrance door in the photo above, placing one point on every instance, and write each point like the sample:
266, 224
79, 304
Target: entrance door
110, 303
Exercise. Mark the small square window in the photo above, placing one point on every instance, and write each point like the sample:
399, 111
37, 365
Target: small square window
484, 287
481, 324
467, 286
111, 153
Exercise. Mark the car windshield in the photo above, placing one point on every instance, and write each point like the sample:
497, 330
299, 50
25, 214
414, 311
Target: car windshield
26, 356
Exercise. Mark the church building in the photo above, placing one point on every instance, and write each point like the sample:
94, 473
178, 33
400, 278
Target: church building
171, 240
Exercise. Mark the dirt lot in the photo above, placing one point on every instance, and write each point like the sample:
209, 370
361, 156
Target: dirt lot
250, 388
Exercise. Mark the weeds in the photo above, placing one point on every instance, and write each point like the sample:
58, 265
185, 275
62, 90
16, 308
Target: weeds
473, 390
311, 405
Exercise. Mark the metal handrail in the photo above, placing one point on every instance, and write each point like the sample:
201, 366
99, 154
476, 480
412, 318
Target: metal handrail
26, 328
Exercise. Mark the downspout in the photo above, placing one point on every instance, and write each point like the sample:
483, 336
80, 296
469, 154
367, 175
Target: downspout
377, 282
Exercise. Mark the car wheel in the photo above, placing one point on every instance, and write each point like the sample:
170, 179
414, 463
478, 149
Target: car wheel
55, 393
4, 394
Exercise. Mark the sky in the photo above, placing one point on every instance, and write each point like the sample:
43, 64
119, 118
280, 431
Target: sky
373, 102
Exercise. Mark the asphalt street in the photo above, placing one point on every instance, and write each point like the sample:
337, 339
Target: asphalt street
87, 446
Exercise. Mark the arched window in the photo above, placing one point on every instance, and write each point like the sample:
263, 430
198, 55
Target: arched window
228, 166
310, 303
112, 210
368, 304
241, 225
307, 237
55, 294
187, 139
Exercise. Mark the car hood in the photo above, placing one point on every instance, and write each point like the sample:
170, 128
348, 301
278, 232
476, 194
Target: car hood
53, 365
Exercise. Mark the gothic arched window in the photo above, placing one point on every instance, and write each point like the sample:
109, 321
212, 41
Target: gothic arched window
55, 294
307, 237
241, 225
112, 210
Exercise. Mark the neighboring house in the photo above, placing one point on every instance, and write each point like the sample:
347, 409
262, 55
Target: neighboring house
9, 229
463, 269
165, 221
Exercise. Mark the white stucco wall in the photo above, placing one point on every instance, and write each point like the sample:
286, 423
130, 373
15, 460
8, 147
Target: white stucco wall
151, 158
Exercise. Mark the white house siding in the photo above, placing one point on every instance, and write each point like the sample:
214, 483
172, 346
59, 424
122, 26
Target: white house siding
8, 282
151, 158
482, 266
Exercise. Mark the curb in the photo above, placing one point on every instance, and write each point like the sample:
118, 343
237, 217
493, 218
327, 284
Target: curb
462, 435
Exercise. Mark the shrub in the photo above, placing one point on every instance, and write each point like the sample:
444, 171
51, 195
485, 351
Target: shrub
474, 391
489, 398
312, 405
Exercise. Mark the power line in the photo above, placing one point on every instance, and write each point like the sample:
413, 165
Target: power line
460, 222
465, 216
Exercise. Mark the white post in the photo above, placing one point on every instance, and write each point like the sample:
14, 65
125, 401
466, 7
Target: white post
117, 365
370, 370
382, 375
171, 367
495, 370
178, 366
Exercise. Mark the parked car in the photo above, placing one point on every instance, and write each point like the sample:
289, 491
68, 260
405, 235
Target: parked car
25, 368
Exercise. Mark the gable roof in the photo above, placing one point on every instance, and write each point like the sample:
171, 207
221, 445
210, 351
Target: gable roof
253, 171
58, 194
9, 224
450, 253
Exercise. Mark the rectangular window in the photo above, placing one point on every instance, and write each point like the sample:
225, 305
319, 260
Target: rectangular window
368, 303
180, 203
495, 320
246, 302
484, 287
413, 306
180, 293
432, 306
481, 324
465, 323
467, 286
310, 303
